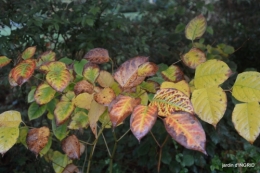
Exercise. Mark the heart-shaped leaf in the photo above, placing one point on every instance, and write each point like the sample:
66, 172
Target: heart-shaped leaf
209, 104
22, 72
58, 79
71, 147
171, 100
173, 74
246, 119
186, 130
194, 58
147, 69
142, 120
4, 61
97, 56
196, 28
127, 74
211, 73
9, 131
44, 94
121, 108
36, 111
37, 139
247, 87
91, 72
29, 52
63, 111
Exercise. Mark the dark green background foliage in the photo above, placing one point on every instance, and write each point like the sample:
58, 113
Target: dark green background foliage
126, 29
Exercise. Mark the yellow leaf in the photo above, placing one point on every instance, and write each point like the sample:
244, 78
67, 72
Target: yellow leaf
173, 74
209, 104
246, 119
83, 100
247, 87
194, 58
182, 86
211, 73
9, 131
196, 28
105, 79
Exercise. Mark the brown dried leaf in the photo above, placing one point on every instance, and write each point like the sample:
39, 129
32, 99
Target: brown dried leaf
127, 74
37, 139
71, 147
83, 87
71, 168
97, 55
104, 97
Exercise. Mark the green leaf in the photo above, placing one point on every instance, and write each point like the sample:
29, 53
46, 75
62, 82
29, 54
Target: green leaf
61, 131
59, 161
62, 111
173, 74
211, 73
9, 131
179, 28
196, 28
4, 61
228, 49
91, 72
79, 121
148, 86
44, 94
210, 30
246, 119
66, 60
30, 97
188, 160
90, 22
22, 135
36, 111
247, 87
78, 66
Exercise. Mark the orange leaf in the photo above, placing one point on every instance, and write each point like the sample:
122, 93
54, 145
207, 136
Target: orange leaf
22, 72
105, 96
121, 108
142, 120
37, 138
71, 147
170, 100
127, 74
97, 55
186, 130
147, 69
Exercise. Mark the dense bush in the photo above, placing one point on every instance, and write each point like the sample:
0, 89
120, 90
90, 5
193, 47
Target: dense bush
159, 35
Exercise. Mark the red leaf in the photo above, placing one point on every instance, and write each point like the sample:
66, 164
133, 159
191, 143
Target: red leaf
142, 120
186, 130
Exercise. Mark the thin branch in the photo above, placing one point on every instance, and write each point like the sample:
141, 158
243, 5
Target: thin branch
123, 135
241, 45
155, 139
106, 145
176, 62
